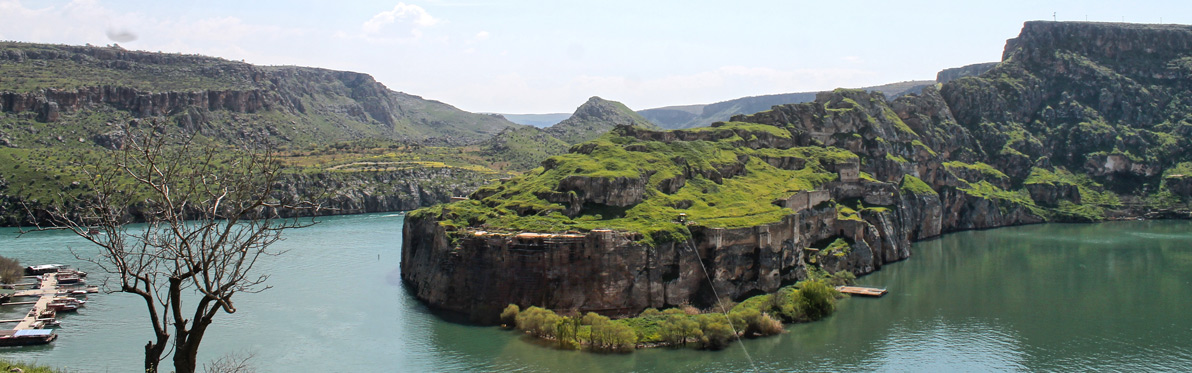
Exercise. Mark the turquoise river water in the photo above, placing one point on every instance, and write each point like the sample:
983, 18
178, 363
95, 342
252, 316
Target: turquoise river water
1110, 296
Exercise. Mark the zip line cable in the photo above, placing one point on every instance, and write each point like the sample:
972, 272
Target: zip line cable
720, 304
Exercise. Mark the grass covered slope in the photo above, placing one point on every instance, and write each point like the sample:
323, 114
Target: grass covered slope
724, 184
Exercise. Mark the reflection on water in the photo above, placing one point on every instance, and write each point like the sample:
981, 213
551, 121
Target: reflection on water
1106, 296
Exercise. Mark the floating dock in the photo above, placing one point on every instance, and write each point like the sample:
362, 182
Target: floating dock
861, 290
47, 292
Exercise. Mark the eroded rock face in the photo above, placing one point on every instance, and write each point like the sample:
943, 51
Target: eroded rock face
1181, 185
1050, 194
50, 103
608, 272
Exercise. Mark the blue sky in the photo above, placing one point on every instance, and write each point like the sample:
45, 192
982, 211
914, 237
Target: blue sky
550, 56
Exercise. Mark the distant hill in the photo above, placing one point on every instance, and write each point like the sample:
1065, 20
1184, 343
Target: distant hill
537, 120
689, 116
83, 90
594, 118
524, 147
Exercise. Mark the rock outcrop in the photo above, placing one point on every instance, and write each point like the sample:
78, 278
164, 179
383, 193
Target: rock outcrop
947, 75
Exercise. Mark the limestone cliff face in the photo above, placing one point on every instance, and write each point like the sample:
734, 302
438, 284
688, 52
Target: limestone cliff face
50, 104
609, 272
58, 80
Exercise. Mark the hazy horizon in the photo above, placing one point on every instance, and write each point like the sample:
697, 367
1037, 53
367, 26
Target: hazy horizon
528, 57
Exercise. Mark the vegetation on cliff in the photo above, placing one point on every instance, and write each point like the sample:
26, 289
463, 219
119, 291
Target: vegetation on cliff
715, 181
1060, 130
686, 326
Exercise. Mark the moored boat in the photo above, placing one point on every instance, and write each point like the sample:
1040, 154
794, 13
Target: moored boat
63, 306
43, 269
26, 337
69, 278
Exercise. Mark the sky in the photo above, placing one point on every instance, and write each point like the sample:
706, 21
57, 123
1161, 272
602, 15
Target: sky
549, 56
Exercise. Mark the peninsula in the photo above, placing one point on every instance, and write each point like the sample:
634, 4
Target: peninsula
1079, 122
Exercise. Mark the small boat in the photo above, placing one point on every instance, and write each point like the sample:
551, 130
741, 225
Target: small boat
69, 278
92, 231
71, 300
63, 306
46, 324
26, 337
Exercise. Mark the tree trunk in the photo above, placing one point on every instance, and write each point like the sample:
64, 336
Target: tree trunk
153, 355
186, 350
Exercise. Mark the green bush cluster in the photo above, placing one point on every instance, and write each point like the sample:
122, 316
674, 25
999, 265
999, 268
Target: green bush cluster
761, 315
591, 331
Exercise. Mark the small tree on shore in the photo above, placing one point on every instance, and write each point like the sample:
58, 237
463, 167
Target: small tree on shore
11, 270
210, 214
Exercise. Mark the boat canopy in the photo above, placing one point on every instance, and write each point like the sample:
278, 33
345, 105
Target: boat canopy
33, 332
43, 267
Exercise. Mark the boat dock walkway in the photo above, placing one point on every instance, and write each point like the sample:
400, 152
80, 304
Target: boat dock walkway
861, 290
47, 292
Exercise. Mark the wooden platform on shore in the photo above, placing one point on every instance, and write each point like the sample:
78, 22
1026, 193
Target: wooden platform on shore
861, 290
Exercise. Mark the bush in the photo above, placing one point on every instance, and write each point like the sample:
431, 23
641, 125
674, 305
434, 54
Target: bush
608, 335
717, 333
842, 278
677, 329
816, 300
509, 316
538, 321
567, 331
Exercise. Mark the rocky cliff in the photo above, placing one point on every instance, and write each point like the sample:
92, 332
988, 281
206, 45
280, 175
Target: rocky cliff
1076, 122
947, 75
68, 85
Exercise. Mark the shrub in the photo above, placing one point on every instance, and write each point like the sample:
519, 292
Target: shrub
509, 316
816, 300
677, 329
10, 270
538, 321
716, 331
609, 335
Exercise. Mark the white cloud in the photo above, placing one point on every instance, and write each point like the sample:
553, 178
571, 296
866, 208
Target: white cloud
401, 13
483, 35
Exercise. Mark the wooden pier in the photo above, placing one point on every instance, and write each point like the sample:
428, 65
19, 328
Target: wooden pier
47, 292
861, 290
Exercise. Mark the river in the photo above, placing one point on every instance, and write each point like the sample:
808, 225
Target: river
1108, 296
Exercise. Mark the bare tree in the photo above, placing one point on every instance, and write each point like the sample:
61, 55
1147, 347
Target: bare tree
231, 363
210, 214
